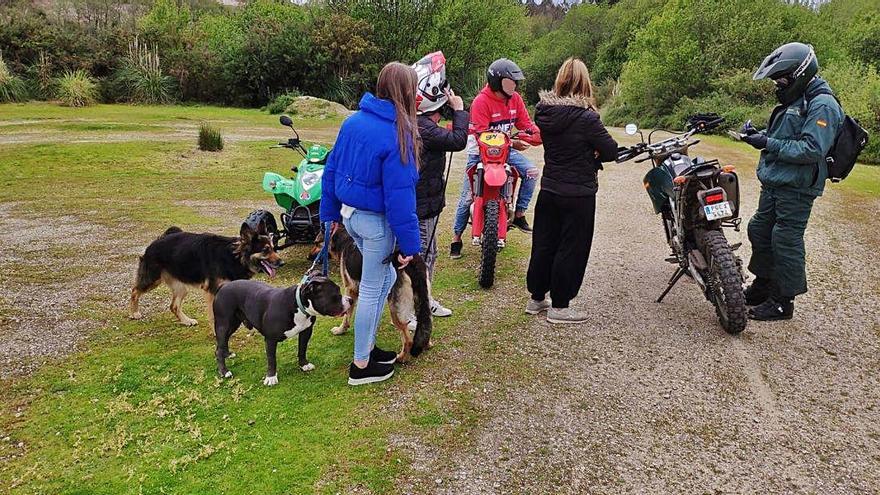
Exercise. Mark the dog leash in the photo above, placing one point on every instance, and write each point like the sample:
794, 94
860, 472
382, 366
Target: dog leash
323, 256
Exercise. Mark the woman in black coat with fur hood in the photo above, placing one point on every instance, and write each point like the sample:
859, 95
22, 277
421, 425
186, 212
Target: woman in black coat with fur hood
575, 145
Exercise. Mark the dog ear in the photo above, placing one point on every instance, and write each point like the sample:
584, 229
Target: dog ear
246, 231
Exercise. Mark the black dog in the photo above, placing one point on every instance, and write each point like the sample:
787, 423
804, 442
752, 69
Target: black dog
207, 261
278, 314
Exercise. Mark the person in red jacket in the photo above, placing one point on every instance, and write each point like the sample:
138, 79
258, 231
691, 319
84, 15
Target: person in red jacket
499, 107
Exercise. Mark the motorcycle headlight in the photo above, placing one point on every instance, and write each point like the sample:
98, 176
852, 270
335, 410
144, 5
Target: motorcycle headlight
309, 179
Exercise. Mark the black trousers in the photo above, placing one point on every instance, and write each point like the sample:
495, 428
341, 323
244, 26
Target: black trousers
561, 242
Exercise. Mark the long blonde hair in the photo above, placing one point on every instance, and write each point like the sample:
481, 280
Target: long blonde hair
398, 83
573, 80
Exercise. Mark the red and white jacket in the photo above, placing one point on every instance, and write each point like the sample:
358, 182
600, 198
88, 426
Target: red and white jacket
491, 113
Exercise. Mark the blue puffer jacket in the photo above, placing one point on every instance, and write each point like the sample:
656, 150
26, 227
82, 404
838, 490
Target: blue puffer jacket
365, 172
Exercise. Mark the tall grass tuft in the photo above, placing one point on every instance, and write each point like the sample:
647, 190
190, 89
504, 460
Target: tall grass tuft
12, 88
76, 89
141, 78
210, 138
41, 77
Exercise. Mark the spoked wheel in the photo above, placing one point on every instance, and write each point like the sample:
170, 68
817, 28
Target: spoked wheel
489, 243
725, 283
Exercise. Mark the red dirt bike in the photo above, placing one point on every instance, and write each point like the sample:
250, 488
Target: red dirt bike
493, 182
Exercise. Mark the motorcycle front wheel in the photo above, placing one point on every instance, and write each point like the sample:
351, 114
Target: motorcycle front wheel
725, 283
489, 243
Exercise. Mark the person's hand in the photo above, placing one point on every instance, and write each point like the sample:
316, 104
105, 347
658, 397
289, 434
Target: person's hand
519, 145
748, 129
757, 140
404, 260
455, 101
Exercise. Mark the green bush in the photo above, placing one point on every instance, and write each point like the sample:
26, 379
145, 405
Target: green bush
12, 88
76, 89
141, 79
40, 75
858, 87
210, 138
281, 102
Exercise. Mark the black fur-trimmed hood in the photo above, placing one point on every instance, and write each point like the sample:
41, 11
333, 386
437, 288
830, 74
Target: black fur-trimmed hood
549, 98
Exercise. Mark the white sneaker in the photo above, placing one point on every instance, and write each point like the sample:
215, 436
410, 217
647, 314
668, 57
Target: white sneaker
439, 311
566, 316
534, 307
412, 323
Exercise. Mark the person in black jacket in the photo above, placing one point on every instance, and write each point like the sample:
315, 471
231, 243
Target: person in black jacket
433, 95
575, 144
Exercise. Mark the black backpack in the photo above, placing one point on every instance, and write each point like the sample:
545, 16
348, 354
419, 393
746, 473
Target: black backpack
851, 140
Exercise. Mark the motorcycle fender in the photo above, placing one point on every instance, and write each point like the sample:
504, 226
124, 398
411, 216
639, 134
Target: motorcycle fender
495, 176
658, 184
730, 183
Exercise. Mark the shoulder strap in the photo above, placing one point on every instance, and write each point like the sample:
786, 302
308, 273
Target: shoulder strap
824, 92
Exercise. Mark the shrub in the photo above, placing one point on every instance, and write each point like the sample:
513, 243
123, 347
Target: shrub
76, 89
12, 88
858, 87
210, 138
282, 101
41, 77
141, 79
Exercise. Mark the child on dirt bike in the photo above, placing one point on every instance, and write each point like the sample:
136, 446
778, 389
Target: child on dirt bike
499, 107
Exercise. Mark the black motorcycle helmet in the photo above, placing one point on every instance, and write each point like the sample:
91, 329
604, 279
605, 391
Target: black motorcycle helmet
503, 69
791, 66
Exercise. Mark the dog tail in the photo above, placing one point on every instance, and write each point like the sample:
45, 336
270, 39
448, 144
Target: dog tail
170, 230
418, 273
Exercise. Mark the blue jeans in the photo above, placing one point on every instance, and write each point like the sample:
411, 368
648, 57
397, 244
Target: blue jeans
374, 239
526, 188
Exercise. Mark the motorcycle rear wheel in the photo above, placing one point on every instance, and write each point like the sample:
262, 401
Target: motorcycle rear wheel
725, 281
489, 243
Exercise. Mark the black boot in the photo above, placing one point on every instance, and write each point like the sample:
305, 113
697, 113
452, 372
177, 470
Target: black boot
759, 291
773, 309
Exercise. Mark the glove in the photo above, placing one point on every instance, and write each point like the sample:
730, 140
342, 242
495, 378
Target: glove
748, 129
757, 140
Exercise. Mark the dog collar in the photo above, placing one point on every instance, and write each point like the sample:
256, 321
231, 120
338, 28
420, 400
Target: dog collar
302, 307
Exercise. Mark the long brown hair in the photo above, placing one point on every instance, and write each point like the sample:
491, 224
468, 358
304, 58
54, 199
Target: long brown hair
397, 83
573, 80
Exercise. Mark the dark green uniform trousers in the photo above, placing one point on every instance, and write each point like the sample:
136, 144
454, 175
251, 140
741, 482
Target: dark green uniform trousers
777, 236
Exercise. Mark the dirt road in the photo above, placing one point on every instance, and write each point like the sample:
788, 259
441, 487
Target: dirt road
656, 398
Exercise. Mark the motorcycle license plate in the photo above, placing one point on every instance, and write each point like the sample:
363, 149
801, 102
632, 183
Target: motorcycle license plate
718, 210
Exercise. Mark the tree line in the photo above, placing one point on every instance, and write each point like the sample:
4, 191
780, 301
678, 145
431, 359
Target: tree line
654, 61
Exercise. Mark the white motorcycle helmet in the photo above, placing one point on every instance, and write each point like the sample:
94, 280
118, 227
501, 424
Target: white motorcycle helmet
432, 84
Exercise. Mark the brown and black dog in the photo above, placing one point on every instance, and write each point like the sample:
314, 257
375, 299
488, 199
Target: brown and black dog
206, 261
410, 295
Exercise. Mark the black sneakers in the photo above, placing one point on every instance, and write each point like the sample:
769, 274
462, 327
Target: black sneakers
759, 291
455, 250
383, 357
522, 224
374, 372
773, 310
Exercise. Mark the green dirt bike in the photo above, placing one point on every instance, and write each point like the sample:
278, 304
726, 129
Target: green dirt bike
300, 195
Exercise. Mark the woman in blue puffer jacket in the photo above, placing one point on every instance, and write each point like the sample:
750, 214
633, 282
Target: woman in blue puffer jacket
369, 184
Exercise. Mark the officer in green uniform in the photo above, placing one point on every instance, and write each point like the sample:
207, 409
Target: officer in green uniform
792, 171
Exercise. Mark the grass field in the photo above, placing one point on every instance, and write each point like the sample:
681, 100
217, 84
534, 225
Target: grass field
140, 409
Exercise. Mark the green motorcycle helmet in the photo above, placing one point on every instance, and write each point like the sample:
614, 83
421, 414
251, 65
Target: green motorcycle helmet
791, 66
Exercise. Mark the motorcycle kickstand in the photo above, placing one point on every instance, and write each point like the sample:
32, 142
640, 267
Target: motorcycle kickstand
672, 281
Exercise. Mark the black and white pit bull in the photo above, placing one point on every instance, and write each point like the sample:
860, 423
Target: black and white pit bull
278, 314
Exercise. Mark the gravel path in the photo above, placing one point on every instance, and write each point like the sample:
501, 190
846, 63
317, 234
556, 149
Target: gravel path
648, 398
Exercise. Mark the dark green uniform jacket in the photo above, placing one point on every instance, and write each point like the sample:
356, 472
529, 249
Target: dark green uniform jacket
799, 137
